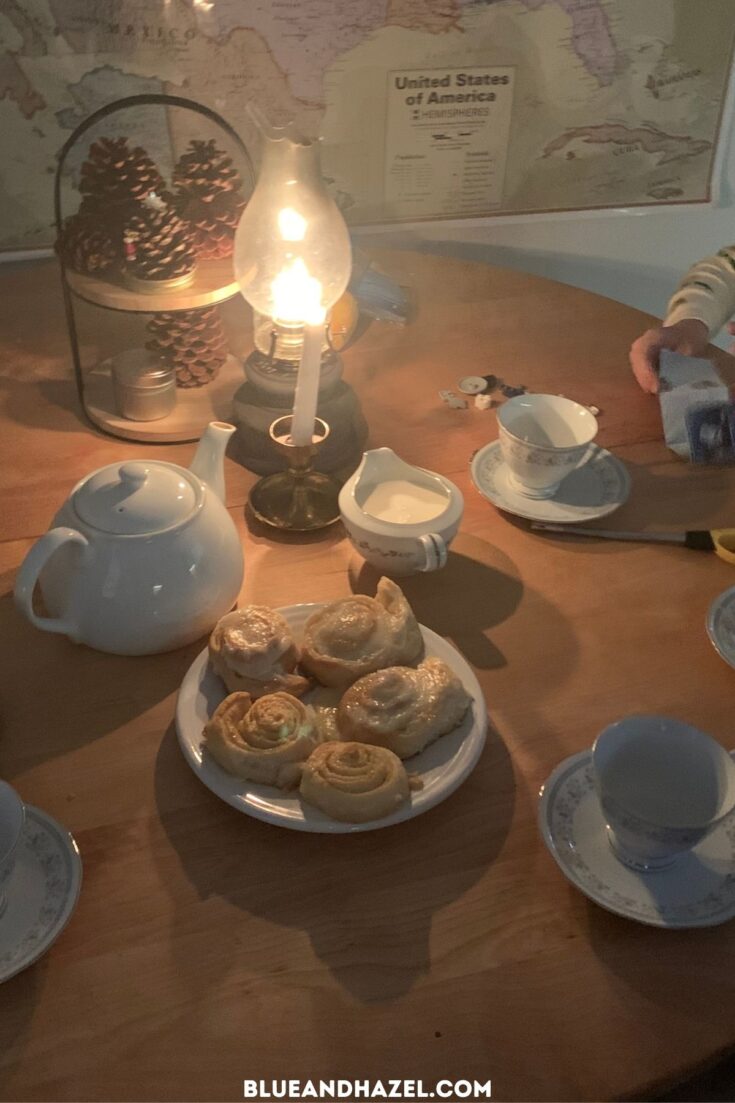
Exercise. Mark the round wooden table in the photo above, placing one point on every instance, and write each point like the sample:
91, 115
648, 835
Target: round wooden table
208, 948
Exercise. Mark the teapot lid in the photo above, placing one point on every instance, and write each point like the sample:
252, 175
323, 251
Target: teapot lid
132, 499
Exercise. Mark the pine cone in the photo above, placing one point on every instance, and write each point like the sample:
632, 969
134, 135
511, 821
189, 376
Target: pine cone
159, 246
205, 171
209, 197
115, 173
192, 342
213, 225
86, 245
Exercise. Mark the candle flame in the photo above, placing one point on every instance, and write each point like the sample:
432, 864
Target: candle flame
297, 296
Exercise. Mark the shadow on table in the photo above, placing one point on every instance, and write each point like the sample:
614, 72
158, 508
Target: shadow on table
689, 971
365, 901
715, 1083
35, 721
660, 500
477, 590
642, 956
663, 497
36, 402
266, 534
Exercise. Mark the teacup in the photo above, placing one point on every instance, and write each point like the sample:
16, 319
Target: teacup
543, 438
400, 518
663, 786
12, 818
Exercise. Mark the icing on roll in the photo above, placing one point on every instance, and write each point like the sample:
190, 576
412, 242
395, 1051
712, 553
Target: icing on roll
402, 708
253, 651
353, 782
266, 741
360, 634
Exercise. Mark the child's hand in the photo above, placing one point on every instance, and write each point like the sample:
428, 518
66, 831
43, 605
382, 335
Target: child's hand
689, 337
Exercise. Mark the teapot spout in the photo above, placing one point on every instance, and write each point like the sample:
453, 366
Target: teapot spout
209, 459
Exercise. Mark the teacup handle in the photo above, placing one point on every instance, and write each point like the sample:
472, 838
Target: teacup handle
31, 568
435, 551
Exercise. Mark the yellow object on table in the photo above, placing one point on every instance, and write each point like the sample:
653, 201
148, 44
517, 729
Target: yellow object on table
343, 321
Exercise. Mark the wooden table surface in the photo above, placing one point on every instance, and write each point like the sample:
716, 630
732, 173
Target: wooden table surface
207, 947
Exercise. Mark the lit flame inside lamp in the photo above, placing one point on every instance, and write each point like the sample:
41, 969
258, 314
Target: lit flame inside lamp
297, 299
297, 296
292, 257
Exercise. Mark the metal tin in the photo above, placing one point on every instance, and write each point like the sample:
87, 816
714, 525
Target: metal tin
144, 389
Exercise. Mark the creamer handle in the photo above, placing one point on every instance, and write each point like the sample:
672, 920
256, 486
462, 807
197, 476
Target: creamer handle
31, 568
435, 551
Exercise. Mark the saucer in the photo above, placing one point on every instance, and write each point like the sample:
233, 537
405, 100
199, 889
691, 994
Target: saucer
697, 891
597, 488
721, 625
42, 892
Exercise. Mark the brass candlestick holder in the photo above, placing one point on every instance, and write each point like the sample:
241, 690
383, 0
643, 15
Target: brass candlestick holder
298, 499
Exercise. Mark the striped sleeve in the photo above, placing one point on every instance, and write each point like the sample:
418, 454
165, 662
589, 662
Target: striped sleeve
707, 292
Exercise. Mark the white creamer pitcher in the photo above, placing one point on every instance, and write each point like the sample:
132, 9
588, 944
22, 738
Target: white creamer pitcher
400, 518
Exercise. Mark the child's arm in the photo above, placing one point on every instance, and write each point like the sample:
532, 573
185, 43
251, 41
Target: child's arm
699, 307
706, 293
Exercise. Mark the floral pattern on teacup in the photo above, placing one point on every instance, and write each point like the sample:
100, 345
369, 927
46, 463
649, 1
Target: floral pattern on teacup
541, 457
679, 838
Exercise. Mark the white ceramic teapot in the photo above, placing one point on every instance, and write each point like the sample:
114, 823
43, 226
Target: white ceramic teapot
400, 518
142, 557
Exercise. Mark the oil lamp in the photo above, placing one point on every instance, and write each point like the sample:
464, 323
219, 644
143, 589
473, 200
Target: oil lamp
292, 263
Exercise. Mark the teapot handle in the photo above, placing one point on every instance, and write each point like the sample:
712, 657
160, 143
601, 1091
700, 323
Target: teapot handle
435, 551
31, 568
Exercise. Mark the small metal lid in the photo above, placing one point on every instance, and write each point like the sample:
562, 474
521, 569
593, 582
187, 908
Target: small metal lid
131, 499
472, 384
138, 368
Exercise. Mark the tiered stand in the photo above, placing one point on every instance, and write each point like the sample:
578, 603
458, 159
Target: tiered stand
213, 283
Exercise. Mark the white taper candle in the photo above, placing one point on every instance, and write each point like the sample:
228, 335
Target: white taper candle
307, 385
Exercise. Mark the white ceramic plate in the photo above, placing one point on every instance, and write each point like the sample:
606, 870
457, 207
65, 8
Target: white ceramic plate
42, 892
442, 767
721, 625
697, 891
594, 490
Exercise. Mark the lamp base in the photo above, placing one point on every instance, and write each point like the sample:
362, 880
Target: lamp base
269, 392
340, 408
275, 379
297, 504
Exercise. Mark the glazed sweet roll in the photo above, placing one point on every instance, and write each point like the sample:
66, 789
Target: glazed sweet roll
354, 636
266, 741
326, 722
403, 708
253, 651
354, 783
